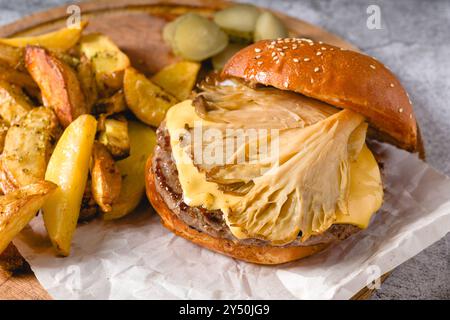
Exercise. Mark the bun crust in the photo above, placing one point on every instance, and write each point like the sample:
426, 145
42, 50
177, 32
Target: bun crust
342, 78
255, 254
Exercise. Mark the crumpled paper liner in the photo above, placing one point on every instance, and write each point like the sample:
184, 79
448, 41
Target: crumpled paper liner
137, 258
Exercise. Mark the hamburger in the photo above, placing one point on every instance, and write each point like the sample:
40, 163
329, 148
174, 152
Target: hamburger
270, 161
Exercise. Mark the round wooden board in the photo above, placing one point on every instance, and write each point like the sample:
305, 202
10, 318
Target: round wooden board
135, 26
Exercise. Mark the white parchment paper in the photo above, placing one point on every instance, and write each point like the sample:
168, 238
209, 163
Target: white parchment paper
137, 258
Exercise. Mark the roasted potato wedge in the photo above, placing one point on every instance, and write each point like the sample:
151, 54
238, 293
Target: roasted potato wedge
111, 105
108, 61
143, 141
89, 208
19, 207
68, 168
58, 82
60, 40
14, 104
178, 79
106, 178
114, 136
19, 78
86, 76
28, 146
11, 56
146, 100
3, 131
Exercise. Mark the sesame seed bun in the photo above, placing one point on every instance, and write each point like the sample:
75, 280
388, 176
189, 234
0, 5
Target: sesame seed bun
343, 78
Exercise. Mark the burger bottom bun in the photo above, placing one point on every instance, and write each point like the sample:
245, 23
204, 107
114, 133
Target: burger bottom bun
256, 254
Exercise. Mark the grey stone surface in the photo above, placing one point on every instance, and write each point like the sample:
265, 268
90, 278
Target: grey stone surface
415, 43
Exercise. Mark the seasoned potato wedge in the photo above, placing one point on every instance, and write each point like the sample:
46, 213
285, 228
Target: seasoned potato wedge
60, 40
3, 131
146, 100
58, 82
143, 140
68, 168
114, 136
86, 76
28, 146
13, 103
113, 104
106, 178
11, 56
19, 207
178, 79
19, 78
108, 61
89, 208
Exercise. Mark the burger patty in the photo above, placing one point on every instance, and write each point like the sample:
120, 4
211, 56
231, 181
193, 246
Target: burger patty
212, 222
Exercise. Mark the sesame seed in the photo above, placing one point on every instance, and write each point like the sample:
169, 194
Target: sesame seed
285, 47
258, 56
279, 49
282, 54
323, 48
259, 63
400, 110
277, 62
312, 80
275, 58
392, 85
320, 42
252, 76
410, 116
294, 46
296, 60
311, 43
257, 50
342, 49
331, 49
316, 69
318, 53
286, 84
273, 54
306, 59
273, 42
372, 66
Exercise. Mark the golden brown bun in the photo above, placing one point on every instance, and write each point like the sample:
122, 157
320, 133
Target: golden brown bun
342, 78
254, 254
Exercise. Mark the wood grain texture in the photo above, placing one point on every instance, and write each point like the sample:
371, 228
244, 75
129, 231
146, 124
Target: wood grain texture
135, 25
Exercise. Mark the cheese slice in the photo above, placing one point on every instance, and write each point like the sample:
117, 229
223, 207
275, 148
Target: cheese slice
365, 190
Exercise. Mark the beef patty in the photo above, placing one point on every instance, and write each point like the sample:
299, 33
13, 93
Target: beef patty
212, 222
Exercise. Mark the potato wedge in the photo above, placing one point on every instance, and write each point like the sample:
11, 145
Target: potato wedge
11, 56
19, 207
106, 178
143, 141
89, 208
108, 61
58, 82
19, 78
178, 79
28, 146
14, 104
147, 101
59, 40
86, 76
68, 168
113, 104
3, 131
114, 136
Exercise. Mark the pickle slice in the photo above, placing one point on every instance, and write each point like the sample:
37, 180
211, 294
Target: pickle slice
268, 26
196, 38
221, 59
238, 21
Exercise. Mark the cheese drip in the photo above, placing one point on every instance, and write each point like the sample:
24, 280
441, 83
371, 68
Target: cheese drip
327, 176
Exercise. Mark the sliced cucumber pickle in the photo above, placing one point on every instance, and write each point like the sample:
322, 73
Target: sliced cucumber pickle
268, 26
196, 38
219, 61
238, 21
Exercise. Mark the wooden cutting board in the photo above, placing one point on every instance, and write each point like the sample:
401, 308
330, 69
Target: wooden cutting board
135, 25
